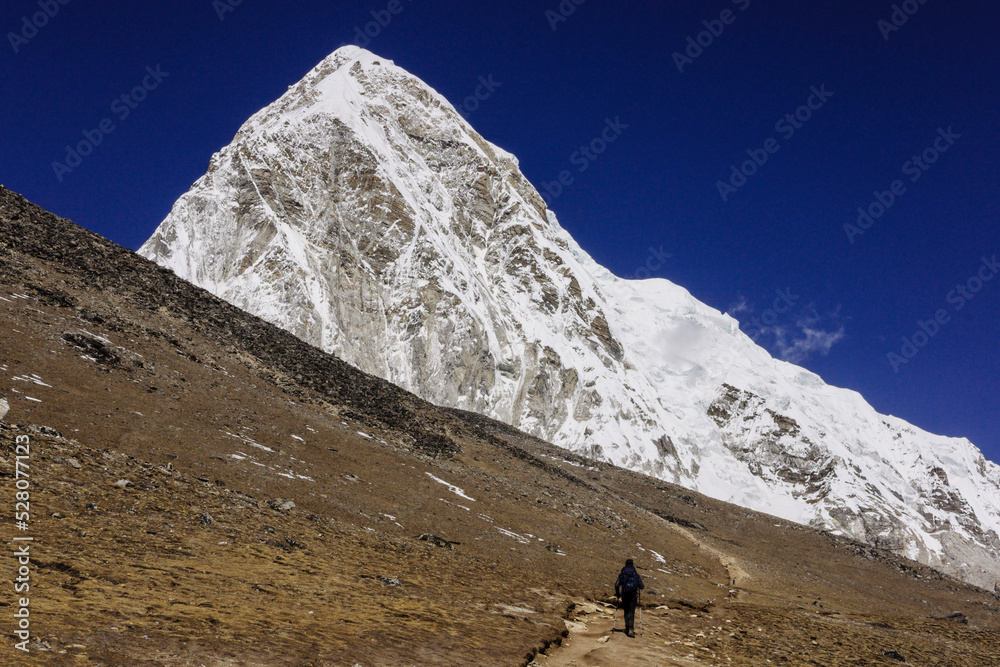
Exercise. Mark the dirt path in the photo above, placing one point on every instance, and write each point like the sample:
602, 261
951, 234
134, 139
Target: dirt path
591, 642
666, 637
737, 575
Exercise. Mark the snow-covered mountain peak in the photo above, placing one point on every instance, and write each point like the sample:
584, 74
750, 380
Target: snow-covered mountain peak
363, 213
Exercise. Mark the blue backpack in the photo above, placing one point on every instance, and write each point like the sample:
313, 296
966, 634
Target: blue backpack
630, 583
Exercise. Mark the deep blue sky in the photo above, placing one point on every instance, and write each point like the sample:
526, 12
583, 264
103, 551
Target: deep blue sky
655, 186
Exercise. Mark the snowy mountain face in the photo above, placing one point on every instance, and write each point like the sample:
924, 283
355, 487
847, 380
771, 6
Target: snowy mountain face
361, 212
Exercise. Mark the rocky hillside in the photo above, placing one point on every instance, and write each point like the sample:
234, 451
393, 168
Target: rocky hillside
363, 214
208, 489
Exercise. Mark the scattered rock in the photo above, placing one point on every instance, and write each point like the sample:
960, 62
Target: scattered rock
436, 445
4, 408
92, 507
688, 500
93, 348
46, 431
955, 616
73, 463
206, 519
281, 504
123, 483
604, 640
285, 545
895, 655
438, 541
391, 581
679, 521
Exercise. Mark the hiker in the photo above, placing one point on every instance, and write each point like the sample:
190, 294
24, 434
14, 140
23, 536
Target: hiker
627, 588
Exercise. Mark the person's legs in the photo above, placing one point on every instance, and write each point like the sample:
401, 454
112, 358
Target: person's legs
629, 604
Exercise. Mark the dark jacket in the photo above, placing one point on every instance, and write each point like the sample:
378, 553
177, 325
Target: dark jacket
620, 583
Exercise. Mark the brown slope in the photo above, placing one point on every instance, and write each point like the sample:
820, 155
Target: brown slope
211, 414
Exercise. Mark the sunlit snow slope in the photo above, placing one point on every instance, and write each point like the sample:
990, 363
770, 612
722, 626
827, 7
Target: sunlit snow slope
361, 212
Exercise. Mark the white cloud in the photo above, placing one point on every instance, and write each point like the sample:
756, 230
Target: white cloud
806, 341
740, 306
811, 334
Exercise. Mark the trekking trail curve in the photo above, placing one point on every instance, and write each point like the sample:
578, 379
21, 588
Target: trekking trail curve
596, 639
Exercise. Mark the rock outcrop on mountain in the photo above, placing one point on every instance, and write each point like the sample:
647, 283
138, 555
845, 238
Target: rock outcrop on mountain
362, 213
